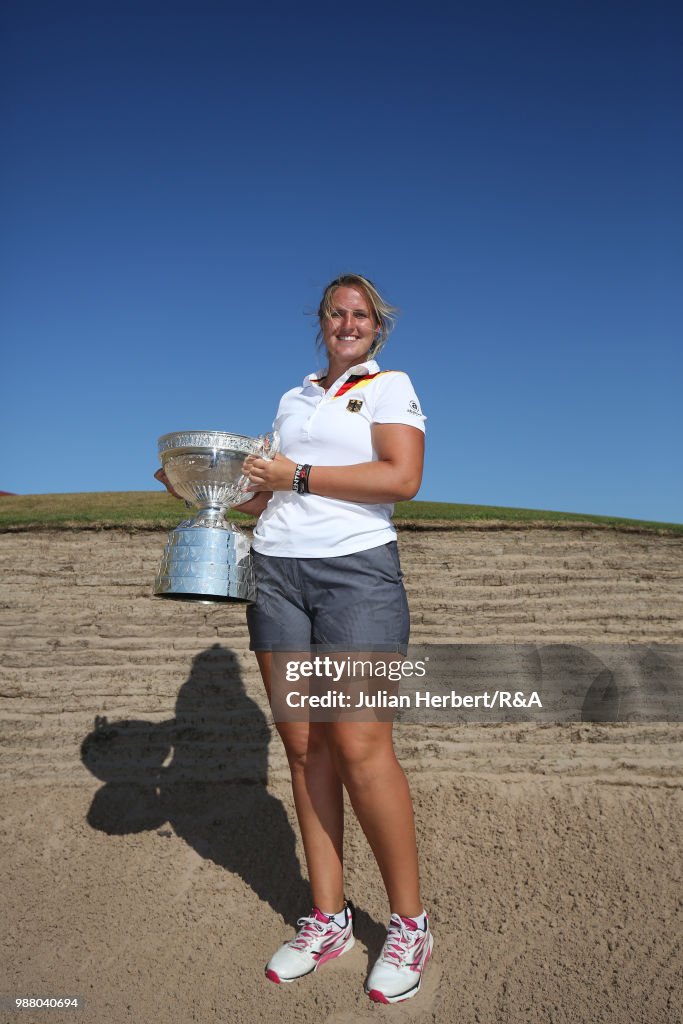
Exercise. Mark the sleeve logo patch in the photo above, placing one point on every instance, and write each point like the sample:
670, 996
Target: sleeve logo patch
414, 408
354, 405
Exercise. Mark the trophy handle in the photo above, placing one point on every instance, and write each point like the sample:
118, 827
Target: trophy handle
269, 446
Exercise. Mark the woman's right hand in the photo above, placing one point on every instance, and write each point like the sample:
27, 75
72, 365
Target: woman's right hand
163, 479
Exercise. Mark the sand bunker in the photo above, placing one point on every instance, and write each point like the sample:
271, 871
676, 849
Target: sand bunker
150, 853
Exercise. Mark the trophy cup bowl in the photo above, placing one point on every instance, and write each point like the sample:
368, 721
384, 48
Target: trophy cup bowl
207, 558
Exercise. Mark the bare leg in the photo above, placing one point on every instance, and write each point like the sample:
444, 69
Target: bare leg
380, 796
318, 798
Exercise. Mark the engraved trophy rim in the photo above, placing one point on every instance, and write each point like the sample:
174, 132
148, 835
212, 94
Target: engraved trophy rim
177, 440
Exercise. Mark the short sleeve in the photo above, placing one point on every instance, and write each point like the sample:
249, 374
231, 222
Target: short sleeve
279, 415
396, 401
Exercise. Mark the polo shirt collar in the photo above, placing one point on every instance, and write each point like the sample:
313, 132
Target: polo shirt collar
368, 366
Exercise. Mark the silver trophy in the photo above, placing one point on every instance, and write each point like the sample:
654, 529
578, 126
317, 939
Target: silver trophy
207, 558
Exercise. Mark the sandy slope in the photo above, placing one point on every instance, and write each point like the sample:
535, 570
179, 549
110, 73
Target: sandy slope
151, 863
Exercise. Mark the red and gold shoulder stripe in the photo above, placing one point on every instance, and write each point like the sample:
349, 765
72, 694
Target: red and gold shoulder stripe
359, 380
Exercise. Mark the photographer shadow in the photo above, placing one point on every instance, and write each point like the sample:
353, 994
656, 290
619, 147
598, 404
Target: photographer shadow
204, 773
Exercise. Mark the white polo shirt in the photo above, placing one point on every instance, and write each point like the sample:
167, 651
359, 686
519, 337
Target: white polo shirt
334, 429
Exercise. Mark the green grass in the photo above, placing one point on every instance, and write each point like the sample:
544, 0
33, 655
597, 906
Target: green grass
440, 510
156, 509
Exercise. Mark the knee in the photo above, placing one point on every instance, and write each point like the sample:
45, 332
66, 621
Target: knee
304, 746
359, 761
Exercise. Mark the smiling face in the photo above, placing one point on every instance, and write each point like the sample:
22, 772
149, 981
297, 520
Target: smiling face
350, 330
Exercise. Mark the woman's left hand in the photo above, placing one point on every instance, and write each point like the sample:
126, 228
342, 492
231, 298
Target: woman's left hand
270, 474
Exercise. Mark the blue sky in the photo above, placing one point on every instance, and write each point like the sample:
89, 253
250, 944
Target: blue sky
181, 179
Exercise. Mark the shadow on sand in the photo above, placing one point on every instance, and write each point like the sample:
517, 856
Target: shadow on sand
204, 772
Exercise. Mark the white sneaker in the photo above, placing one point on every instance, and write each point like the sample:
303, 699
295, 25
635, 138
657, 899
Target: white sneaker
397, 974
319, 939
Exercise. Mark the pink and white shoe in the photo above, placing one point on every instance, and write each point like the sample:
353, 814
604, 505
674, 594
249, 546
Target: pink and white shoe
318, 940
397, 974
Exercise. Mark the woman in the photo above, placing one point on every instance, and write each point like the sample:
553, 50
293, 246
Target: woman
327, 571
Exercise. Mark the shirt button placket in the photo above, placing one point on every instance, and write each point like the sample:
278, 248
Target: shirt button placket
308, 422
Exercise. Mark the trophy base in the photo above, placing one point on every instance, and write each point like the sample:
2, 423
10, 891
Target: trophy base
206, 565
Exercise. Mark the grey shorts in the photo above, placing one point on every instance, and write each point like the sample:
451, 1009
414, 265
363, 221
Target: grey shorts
356, 600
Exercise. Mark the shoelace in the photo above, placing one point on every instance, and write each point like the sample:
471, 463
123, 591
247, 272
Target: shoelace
397, 943
311, 929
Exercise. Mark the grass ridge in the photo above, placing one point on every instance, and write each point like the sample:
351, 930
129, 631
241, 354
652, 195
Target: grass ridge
158, 510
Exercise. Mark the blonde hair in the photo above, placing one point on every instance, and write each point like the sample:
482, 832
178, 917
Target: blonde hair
385, 314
